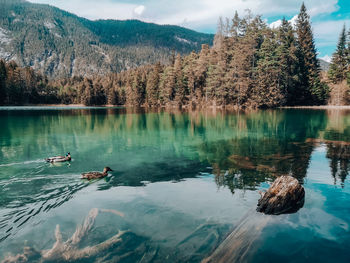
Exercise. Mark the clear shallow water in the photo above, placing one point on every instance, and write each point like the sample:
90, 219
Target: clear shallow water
181, 181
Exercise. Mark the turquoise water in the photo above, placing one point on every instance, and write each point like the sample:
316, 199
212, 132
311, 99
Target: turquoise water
182, 182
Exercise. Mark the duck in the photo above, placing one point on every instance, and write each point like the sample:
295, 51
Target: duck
59, 159
96, 175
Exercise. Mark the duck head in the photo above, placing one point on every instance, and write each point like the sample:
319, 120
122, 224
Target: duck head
107, 169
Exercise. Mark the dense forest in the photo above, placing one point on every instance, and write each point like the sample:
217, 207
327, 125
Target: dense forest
249, 65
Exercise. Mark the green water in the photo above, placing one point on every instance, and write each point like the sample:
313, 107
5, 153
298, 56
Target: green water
181, 182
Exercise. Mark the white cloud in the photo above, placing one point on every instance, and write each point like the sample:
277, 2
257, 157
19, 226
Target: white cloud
196, 13
322, 7
139, 10
329, 30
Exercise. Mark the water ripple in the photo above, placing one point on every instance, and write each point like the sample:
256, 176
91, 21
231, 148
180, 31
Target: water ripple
18, 213
22, 163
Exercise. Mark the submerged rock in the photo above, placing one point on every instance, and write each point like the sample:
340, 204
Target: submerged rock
286, 195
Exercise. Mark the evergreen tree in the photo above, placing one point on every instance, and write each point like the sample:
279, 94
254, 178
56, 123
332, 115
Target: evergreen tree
288, 62
201, 73
338, 68
87, 95
269, 92
215, 87
189, 76
314, 92
138, 90
112, 97
168, 86
219, 36
15, 85
235, 27
180, 91
347, 51
240, 77
152, 86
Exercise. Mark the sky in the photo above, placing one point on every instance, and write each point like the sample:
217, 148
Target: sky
328, 16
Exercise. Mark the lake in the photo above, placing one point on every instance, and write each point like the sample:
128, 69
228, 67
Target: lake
182, 182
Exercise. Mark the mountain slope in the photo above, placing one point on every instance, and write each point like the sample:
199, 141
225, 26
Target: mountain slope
60, 44
324, 65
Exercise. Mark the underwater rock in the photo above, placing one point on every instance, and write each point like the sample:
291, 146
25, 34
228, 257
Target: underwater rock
286, 195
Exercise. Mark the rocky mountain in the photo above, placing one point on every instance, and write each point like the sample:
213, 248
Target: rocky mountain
60, 44
324, 65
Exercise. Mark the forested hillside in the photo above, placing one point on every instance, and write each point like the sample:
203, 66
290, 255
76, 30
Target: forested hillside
250, 65
59, 44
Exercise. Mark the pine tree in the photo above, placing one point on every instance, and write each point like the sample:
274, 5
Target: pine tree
152, 86
189, 76
99, 96
138, 91
15, 84
215, 90
87, 89
167, 85
269, 92
288, 58
180, 91
201, 73
235, 27
219, 36
314, 91
240, 76
338, 68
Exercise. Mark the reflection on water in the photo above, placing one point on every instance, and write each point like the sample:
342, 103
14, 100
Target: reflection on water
339, 156
182, 179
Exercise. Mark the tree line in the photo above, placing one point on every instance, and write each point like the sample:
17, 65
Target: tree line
19, 86
249, 65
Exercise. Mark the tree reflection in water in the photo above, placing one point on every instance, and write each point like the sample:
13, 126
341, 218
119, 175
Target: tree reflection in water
246, 162
338, 154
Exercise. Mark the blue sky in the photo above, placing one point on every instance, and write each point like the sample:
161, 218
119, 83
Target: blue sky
328, 16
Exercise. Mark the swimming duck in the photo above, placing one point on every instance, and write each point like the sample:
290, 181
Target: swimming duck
57, 159
96, 175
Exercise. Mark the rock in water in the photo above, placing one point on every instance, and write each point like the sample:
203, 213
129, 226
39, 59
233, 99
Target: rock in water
284, 196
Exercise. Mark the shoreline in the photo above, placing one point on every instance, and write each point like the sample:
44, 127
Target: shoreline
321, 107
59, 106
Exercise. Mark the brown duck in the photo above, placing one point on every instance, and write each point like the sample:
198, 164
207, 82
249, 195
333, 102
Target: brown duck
96, 175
